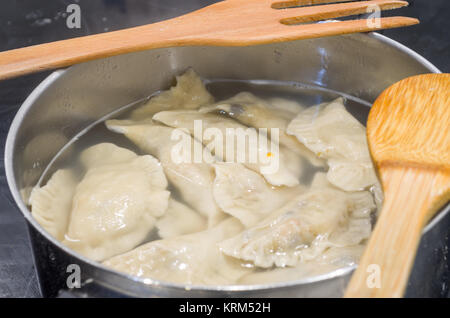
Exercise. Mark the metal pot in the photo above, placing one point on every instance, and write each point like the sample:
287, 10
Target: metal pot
69, 100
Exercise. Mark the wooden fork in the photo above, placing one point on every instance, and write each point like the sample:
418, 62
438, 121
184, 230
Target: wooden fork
226, 23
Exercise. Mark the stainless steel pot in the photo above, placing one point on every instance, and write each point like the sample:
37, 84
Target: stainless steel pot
69, 100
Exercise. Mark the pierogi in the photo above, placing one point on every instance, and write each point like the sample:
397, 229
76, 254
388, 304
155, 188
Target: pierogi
175, 206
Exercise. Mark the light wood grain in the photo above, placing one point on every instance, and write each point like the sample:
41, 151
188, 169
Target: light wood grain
409, 140
227, 23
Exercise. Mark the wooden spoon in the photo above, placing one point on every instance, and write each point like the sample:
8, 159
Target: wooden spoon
409, 140
226, 23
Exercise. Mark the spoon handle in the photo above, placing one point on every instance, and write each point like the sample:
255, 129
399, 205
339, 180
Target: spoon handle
411, 197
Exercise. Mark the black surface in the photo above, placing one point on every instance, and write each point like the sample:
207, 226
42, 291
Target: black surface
27, 22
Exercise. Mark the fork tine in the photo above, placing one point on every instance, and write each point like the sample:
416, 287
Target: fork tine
273, 33
331, 11
309, 31
296, 3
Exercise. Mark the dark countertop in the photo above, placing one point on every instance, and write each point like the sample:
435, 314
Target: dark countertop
27, 22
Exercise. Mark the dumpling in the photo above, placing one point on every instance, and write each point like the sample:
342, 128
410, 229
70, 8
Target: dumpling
351, 175
104, 154
321, 127
234, 142
282, 238
304, 228
255, 112
189, 93
115, 206
180, 219
359, 225
330, 260
334, 134
245, 194
52, 203
189, 259
288, 107
245, 104
193, 180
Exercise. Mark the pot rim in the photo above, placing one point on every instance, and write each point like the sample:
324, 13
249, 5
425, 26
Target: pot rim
8, 159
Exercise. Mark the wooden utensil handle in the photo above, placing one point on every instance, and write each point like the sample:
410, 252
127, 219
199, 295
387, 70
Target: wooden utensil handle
82, 49
409, 201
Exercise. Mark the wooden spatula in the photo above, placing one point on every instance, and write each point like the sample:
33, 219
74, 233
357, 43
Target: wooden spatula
226, 23
408, 131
